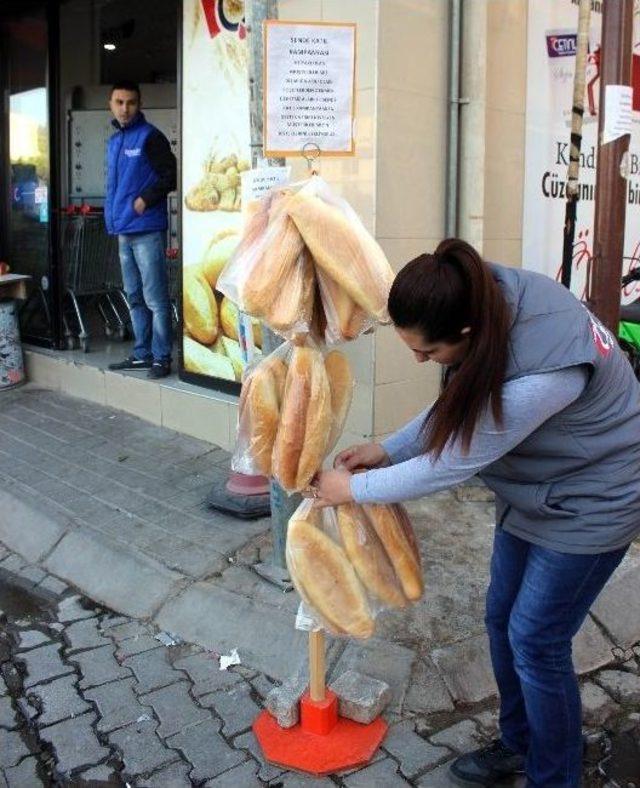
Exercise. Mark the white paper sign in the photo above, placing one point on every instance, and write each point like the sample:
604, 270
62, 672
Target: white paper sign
309, 87
255, 183
40, 195
617, 112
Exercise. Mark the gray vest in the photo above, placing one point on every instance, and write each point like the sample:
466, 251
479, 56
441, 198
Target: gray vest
574, 483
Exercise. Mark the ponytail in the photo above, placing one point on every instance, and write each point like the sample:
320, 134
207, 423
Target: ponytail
439, 295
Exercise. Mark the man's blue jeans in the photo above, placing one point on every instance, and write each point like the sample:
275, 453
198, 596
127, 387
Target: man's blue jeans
144, 274
537, 601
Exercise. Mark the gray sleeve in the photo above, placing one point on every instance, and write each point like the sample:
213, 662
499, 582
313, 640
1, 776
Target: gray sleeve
407, 441
527, 403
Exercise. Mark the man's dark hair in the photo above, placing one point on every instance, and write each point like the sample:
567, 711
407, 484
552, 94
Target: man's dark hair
127, 84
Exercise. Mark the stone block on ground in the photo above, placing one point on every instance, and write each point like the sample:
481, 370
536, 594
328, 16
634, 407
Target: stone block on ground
244, 775
137, 645
591, 648
38, 531
175, 708
413, 753
466, 669
12, 748
117, 705
75, 743
152, 670
142, 751
623, 686
71, 608
204, 671
383, 774
7, 714
209, 753
283, 702
268, 772
32, 638
24, 774
597, 706
43, 664
622, 621
82, 635
235, 707
360, 698
461, 737
440, 777
58, 700
174, 775
100, 774
53, 586
427, 692
99, 666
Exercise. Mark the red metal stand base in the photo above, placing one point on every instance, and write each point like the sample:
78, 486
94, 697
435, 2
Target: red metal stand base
243, 484
322, 743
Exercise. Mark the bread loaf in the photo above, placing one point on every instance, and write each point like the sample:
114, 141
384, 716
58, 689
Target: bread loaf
325, 579
341, 386
368, 556
200, 310
263, 402
345, 251
292, 305
392, 533
318, 423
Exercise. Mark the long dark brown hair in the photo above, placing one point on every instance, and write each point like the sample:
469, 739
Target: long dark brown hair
439, 295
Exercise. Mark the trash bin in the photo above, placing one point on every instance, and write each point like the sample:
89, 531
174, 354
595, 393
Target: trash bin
11, 359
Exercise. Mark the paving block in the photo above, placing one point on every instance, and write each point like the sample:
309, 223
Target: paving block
125, 629
427, 692
12, 748
293, 780
7, 714
591, 648
29, 531
100, 774
413, 753
383, 774
74, 608
142, 751
623, 686
83, 635
117, 704
24, 774
440, 777
621, 621
235, 707
597, 706
204, 671
53, 586
466, 669
262, 685
98, 666
488, 722
360, 698
461, 737
283, 702
32, 638
75, 743
152, 670
175, 708
43, 664
137, 645
32, 574
113, 575
244, 775
172, 776
59, 700
268, 772
209, 753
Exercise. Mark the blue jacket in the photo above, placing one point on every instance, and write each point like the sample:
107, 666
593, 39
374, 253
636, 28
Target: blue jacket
139, 163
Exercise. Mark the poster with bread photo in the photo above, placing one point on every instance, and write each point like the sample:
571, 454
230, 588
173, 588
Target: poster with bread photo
215, 153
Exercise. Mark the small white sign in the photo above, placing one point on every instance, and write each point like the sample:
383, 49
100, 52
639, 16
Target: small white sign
309, 84
40, 194
618, 101
256, 183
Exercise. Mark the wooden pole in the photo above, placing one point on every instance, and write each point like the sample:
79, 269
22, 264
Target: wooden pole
611, 186
317, 669
256, 12
577, 112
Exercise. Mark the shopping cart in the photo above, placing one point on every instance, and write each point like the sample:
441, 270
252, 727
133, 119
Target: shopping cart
92, 277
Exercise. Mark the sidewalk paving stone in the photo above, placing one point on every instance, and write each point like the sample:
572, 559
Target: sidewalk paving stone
142, 751
414, 754
117, 704
268, 771
23, 775
125, 629
12, 748
597, 706
438, 778
623, 686
209, 753
244, 775
58, 700
175, 708
75, 743
71, 609
461, 737
204, 671
622, 621
53, 585
383, 774
236, 707
98, 666
466, 669
83, 635
136, 645
32, 638
427, 693
43, 664
152, 670
100, 774
7, 714
173, 776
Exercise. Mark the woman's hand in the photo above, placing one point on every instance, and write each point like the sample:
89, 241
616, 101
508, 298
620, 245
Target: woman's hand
331, 488
362, 456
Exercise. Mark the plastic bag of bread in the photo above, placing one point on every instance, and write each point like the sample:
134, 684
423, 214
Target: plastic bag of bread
293, 406
351, 562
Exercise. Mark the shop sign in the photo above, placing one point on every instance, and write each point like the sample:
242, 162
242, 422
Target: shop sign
309, 88
551, 55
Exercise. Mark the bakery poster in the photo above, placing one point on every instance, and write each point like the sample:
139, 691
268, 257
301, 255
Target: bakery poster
551, 49
215, 153
309, 88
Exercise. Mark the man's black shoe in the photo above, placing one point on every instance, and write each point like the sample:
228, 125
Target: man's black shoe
486, 766
159, 369
131, 363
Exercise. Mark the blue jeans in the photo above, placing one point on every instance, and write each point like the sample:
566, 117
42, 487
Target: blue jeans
144, 274
537, 601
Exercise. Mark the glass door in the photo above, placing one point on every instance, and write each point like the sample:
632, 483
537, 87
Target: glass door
28, 244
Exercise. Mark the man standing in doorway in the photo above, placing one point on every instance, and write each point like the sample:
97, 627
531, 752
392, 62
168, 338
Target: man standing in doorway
141, 171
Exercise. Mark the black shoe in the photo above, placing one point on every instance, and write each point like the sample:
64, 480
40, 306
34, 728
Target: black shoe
486, 766
131, 363
159, 369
